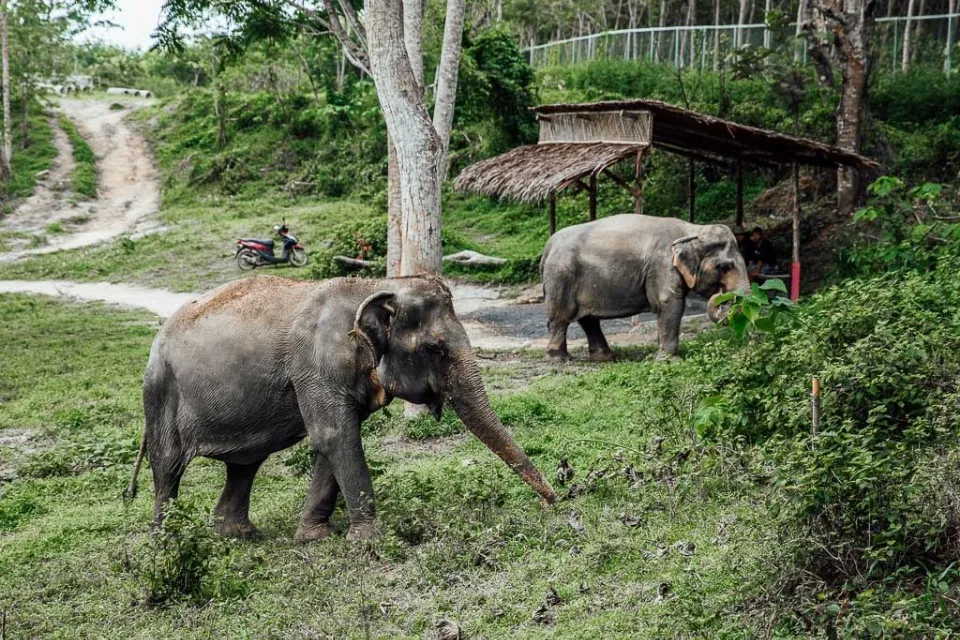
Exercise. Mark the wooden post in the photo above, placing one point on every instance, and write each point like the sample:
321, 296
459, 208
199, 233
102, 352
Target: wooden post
739, 193
638, 183
815, 407
553, 213
593, 197
795, 266
692, 188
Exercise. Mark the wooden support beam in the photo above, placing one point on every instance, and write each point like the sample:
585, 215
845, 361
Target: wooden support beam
692, 188
620, 181
740, 193
638, 183
593, 196
553, 213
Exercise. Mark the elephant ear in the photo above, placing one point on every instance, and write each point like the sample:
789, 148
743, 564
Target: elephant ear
686, 258
372, 322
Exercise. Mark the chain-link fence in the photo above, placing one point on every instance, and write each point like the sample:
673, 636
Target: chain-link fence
933, 40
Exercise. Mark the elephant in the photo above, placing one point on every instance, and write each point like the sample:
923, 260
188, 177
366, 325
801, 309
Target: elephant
622, 265
256, 365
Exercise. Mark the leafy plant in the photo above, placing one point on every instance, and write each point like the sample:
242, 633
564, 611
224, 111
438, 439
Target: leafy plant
760, 310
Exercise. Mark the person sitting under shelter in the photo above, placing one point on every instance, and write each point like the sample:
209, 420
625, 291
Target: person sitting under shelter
762, 258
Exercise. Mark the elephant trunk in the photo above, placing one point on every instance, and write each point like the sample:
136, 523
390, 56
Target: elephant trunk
469, 400
736, 282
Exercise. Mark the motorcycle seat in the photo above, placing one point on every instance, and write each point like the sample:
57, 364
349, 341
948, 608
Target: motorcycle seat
266, 243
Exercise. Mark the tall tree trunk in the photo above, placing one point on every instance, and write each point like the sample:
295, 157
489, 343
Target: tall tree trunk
662, 23
413, 36
394, 212
907, 36
950, 40
447, 74
801, 19
741, 20
918, 31
417, 145
767, 35
852, 24
716, 36
684, 36
25, 122
7, 153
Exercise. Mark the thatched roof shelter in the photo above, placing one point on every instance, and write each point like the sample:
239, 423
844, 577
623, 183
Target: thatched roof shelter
579, 142
533, 172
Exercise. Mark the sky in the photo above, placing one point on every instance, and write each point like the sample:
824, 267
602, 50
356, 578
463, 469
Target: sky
137, 19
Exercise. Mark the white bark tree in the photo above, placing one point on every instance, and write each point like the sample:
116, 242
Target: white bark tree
907, 36
7, 152
950, 28
419, 143
741, 20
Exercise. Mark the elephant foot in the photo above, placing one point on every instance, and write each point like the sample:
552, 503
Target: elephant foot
244, 530
362, 531
558, 355
663, 356
310, 531
603, 356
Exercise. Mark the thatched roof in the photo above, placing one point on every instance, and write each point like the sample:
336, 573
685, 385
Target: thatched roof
533, 172
709, 138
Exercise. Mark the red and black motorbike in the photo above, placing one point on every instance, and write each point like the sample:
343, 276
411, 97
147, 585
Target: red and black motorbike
257, 252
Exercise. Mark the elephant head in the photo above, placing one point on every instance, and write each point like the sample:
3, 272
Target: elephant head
710, 263
424, 356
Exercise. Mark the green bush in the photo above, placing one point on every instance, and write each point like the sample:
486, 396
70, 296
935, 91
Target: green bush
83, 180
184, 560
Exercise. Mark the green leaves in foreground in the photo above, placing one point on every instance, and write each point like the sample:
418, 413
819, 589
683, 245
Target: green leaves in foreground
760, 310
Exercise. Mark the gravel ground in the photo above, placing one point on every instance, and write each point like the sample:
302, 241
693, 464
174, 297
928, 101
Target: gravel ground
529, 321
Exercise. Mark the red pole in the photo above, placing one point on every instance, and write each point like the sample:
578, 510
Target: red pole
795, 265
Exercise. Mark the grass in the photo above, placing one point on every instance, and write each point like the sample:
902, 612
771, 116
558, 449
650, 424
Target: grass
83, 179
72, 554
31, 155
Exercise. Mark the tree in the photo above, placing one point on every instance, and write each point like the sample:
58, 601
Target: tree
7, 154
851, 24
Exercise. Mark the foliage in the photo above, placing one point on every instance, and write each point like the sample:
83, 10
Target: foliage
33, 153
83, 180
760, 310
181, 560
361, 240
905, 229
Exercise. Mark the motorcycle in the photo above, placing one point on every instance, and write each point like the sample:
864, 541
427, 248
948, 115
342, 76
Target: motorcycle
257, 252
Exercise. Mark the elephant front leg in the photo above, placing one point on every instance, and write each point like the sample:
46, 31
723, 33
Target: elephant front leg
321, 501
668, 329
336, 436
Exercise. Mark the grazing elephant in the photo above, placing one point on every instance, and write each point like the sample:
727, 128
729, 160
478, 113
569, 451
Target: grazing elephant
255, 365
622, 265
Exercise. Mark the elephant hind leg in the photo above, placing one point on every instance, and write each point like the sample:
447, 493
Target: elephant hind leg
599, 349
321, 501
167, 472
234, 505
557, 346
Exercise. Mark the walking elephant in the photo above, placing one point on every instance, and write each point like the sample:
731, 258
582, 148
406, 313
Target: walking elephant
255, 366
622, 265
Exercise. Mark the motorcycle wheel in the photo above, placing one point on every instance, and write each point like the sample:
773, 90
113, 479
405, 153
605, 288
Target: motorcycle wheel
247, 260
298, 257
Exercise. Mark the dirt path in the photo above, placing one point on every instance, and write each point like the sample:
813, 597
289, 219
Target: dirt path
492, 321
128, 193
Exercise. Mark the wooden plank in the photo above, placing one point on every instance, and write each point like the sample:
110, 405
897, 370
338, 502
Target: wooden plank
553, 213
638, 183
593, 197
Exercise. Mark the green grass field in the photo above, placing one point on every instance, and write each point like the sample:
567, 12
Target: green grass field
462, 539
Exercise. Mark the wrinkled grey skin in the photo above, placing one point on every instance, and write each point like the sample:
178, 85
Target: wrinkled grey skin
622, 265
256, 365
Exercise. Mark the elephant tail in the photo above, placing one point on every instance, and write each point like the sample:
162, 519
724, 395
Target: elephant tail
131, 491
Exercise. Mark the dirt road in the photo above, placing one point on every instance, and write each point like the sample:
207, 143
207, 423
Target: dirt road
128, 193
